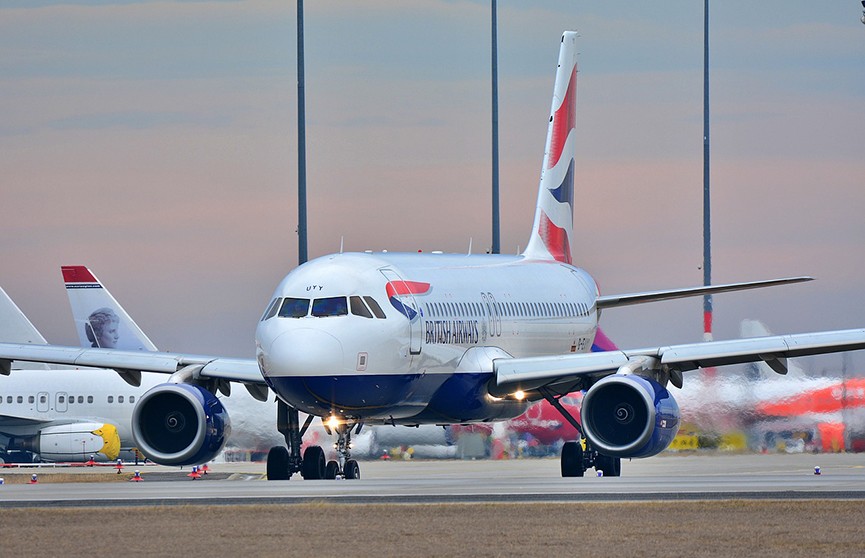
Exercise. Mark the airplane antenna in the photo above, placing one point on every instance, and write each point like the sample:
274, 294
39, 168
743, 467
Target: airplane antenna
495, 117
470, 245
341, 243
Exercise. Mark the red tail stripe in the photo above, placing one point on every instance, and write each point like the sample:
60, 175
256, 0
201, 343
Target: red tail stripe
77, 274
555, 239
564, 120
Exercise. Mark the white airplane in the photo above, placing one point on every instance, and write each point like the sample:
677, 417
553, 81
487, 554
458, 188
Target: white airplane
59, 414
414, 339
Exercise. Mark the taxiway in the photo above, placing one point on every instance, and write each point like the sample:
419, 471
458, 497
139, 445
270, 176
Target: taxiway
670, 477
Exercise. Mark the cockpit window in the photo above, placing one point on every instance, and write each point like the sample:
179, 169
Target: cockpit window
358, 308
373, 305
332, 306
271, 310
294, 308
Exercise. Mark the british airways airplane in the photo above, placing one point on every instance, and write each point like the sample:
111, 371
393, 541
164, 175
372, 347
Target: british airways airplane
411, 339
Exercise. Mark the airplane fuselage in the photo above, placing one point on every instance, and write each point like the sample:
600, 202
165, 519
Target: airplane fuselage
424, 354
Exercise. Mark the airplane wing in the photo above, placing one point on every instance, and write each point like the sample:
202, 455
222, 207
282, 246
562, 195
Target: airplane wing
612, 301
200, 366
11, 421
572, 372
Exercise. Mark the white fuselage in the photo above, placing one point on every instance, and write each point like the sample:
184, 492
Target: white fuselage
429, 359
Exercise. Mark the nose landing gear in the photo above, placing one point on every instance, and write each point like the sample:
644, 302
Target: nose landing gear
283, 462
344, 466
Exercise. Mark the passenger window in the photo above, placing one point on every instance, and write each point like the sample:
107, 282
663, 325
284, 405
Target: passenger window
294, 308
90, 399
81, 399
71, 399
132, 399
61, 399
9, 399
111, 399
358, 308
31, 399
43, 399
376, 309
21, 399
331, 306
120, 399
271, 310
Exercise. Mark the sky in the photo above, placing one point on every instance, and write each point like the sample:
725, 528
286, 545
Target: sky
156, 143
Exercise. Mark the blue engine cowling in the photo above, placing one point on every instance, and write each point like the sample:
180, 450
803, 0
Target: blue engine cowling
180, 424
629, 416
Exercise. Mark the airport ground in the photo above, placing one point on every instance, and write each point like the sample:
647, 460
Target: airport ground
776, 523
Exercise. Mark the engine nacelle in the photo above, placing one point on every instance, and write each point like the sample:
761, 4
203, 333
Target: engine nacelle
629, 416
75, 441
180, 424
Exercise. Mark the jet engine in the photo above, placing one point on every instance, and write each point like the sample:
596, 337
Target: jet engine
629, 416
75, 441
180, 424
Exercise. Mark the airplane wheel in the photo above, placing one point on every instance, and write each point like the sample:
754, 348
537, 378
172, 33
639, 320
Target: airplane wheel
572, 460
610, 466
313, 467
331, 470
277, 463
352, 469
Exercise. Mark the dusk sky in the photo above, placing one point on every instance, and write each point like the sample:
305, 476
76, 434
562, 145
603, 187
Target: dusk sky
155, 142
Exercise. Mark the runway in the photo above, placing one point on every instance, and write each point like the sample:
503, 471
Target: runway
671, 477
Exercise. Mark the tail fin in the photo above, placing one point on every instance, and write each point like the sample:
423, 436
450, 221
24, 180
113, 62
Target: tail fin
554, 216
14, 325
99, 319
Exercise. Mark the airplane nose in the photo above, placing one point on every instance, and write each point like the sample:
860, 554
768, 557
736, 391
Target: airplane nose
304, 352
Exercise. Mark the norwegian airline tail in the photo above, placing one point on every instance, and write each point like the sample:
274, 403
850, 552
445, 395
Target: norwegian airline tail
554, 215
100, 321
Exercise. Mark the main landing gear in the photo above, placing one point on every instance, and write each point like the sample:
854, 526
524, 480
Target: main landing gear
283, 462
575, 460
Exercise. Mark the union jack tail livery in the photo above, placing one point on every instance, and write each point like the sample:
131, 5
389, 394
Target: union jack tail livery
554, 215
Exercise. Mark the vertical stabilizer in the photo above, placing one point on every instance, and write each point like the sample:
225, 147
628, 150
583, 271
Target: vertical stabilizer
554, 216
100, 321
14, 325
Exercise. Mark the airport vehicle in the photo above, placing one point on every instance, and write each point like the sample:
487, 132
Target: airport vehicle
384, 338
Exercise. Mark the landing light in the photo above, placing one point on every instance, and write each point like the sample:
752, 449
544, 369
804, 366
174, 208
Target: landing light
519, 395
332, 422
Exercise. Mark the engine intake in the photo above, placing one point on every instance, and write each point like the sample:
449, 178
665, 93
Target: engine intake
629, 416
180, 424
